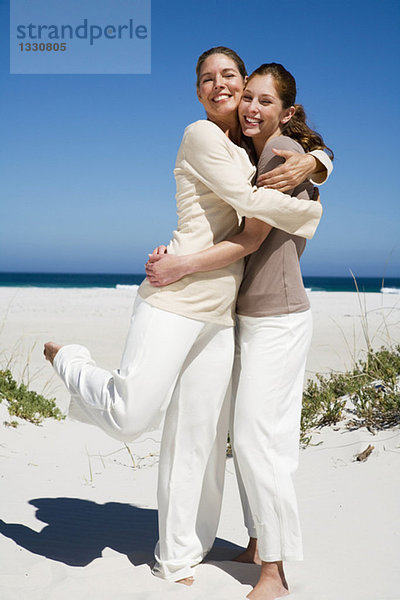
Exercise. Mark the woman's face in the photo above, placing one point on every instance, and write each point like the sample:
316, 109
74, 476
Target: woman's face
220, 87
261, 113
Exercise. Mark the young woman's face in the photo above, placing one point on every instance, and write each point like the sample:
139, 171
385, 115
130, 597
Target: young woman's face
261, 113
220, 87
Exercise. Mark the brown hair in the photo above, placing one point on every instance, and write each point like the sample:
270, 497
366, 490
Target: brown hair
296, 127
220, 50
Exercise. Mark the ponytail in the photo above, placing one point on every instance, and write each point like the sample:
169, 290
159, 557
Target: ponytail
298, 130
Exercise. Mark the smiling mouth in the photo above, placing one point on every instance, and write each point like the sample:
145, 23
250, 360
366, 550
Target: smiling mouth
222, 97
251, 121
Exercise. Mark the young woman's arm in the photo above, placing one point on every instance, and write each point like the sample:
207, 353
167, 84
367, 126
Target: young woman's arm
163, 269
208, 156
316, 166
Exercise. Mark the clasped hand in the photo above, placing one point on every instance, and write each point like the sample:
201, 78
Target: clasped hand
163, 268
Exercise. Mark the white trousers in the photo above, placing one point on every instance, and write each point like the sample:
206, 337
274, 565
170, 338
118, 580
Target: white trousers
192, 458
268, 379
166, 354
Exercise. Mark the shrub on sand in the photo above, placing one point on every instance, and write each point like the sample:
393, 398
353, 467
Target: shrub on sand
25, 403
369, 395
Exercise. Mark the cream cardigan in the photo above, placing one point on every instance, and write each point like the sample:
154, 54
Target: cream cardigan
213, 183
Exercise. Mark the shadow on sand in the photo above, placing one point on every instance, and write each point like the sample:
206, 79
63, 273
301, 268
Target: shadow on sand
77, 532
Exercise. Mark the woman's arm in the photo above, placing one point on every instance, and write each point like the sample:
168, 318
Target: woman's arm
163, 269
316, 166
208, 156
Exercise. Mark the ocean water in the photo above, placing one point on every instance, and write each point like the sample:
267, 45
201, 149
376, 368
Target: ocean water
391, 285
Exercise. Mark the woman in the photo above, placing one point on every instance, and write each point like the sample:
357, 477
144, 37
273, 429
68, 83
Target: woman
191, 320
273, 336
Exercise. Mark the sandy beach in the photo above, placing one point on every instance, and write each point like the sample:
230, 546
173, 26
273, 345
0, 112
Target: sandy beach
78, 510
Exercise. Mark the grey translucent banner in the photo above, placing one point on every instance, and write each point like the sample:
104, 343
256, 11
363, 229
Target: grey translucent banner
85, 36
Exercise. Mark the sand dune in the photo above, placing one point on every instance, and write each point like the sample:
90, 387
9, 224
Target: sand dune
78, 512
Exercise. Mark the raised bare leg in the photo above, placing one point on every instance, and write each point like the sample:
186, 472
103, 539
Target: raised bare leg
50, 351
250, 555
272, 583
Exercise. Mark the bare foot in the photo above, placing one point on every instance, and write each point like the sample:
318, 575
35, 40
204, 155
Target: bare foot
272, 583
186, 581
250, 555
50, 351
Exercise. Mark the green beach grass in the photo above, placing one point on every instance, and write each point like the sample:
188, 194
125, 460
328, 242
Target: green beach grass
367, 396
24, 403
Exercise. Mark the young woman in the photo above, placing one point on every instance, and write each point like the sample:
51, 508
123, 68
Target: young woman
274, 330
191, 322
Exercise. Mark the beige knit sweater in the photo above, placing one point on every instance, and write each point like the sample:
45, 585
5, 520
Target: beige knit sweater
214, 189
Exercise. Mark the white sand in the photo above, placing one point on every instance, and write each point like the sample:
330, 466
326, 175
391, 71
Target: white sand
79, 517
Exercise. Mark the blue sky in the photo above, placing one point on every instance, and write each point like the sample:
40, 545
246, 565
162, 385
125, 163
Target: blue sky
86, 160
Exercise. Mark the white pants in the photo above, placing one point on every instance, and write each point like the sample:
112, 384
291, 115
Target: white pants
268, 378
167, 353
192, 458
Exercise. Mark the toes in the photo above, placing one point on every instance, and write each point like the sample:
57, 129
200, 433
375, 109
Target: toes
186, 581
